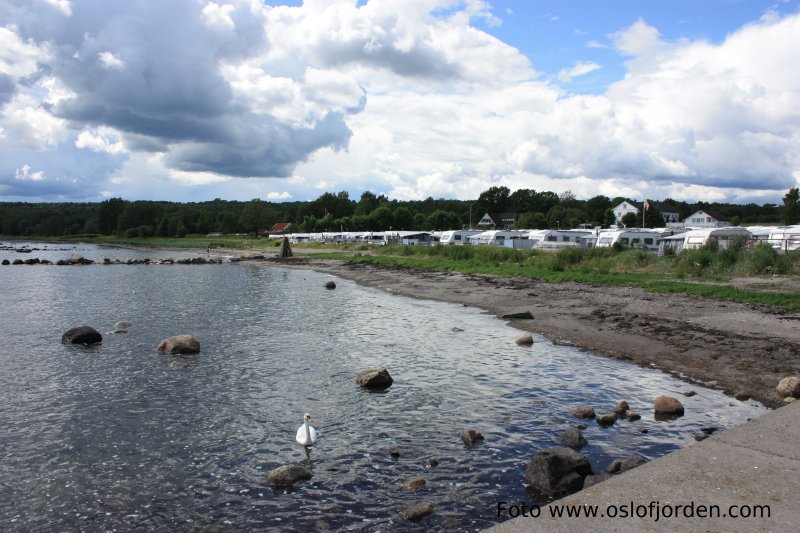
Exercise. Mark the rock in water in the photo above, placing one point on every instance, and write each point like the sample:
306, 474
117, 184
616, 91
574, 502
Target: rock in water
573, 438
668, 406
179, 344
471, 437
123, 324
330, 285
621, 408
557, 471
286, 476
583, 411
82, 335
374, 379
525, 340
414, 483
417, 512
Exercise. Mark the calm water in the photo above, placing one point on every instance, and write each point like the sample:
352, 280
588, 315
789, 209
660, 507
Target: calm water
113, 437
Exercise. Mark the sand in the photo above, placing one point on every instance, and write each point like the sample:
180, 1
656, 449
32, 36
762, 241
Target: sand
744, 350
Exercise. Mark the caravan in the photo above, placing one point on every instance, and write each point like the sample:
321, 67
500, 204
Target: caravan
645, 238
699, 237
460, 236
785, 239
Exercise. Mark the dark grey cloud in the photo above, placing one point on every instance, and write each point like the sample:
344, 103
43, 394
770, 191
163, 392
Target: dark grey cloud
151, 71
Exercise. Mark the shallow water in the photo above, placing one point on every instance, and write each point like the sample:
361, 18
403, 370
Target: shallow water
114, 437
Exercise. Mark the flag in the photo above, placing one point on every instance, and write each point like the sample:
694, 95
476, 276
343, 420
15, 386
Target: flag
646, 205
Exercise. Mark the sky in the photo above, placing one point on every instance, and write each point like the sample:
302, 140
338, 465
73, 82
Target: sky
190, 100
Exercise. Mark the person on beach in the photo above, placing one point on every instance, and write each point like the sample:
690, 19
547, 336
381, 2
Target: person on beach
208, 250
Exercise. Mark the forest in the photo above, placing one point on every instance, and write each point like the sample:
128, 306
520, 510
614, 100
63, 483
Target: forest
338, 212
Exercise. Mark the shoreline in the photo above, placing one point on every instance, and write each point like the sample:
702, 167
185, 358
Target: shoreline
740, 349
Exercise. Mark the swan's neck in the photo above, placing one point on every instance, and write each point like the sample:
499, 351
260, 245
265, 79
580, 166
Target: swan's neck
308, 431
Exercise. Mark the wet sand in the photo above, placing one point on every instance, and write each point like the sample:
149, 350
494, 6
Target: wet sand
738, 348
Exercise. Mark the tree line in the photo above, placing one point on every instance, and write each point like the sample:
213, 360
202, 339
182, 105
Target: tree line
338, 212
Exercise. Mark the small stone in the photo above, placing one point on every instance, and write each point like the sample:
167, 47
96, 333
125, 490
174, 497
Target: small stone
179, 345
789, 387
614, 467
523, 315
742, 396
394, 453
607, 419
700, 436
414, 483
432, 463
525, 340
123, 324
621, 407
708, 430
470, 437
288, 475
788, 400
631, 462
417, 512
581, 426
689, 393
583, 411
633, 417
330, 285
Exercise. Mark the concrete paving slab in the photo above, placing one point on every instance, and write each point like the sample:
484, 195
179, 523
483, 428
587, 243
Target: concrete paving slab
709, 486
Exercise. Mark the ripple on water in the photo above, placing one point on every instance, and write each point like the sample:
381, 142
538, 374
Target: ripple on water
112, 437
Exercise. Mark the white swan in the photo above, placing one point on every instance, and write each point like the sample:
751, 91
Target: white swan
306, 434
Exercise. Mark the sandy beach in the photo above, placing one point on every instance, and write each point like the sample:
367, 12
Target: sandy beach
740, 349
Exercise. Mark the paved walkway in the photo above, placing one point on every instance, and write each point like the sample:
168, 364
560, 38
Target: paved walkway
754, 465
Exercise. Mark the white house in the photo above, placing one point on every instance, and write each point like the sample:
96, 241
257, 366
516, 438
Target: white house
624, 208
705, 219
498, 220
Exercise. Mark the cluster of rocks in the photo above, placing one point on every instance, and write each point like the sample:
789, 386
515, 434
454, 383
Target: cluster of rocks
558, 471
77, 259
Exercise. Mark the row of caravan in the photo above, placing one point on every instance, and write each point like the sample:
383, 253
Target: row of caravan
657, 240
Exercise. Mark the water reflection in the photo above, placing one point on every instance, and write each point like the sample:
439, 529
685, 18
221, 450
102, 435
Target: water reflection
118, 437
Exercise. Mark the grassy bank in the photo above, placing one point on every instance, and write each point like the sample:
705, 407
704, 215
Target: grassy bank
703, 273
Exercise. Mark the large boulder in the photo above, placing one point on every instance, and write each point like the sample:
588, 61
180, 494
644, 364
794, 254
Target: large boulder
179, 345
82, 335
789, 387
374, 379
557, 471
668, 406
288, 475
621, 408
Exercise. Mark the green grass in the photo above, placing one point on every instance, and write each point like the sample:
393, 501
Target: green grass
702, 273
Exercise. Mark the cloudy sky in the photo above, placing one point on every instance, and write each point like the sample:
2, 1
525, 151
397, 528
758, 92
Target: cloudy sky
189, 100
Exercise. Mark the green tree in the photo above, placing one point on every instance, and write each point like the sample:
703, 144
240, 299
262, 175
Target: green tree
630, 220
403, 218
255, 216
493, 200
381, 219
108, 213
532, 220
441, 220
791, 207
